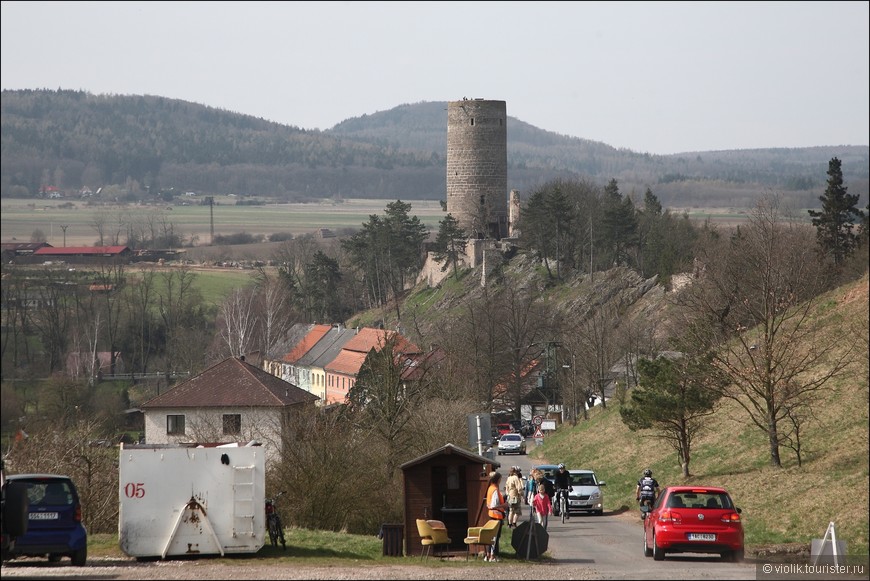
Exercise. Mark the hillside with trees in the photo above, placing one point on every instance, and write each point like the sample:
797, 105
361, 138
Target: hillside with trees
152, 145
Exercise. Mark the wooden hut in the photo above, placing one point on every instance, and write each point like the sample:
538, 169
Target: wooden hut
448, 484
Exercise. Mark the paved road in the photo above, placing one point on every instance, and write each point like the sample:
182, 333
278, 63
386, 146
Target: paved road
611, 546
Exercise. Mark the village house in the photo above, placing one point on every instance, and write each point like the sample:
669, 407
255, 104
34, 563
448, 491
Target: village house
230, 402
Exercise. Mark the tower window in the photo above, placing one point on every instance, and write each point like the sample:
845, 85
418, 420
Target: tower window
472, 121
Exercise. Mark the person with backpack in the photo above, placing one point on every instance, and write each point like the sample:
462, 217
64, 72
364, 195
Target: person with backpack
646, 492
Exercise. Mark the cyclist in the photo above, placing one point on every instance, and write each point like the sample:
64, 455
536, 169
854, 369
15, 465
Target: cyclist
563, 485
647, 491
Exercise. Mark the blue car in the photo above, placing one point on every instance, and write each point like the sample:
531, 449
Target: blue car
54, 528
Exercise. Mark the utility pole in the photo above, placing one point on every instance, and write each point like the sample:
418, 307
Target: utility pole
64, 227
210, 201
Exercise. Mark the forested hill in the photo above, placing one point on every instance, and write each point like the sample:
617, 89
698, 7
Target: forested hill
148, 144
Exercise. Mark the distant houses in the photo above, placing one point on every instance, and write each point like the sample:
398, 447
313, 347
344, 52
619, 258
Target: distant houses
325, 359
45, 253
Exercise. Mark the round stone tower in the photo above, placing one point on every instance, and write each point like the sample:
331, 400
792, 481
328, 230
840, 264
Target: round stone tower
477, 167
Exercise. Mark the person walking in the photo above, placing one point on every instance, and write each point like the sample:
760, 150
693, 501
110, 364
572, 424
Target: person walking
497, 506
542, 506
532, 485
514, 490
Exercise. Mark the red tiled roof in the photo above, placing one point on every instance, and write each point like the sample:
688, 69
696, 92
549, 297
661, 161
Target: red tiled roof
368, 338
232, 383
347, 362
67, 250
308, 341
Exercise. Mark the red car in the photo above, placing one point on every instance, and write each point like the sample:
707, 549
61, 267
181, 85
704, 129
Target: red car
693, 519
503, 429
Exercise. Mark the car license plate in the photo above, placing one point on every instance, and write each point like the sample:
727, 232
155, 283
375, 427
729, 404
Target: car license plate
574, 503
702, 537
43, 516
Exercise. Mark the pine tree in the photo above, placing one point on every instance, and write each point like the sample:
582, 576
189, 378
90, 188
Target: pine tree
450, 243
838, 216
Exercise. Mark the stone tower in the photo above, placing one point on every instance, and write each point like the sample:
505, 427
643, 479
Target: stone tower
477, 167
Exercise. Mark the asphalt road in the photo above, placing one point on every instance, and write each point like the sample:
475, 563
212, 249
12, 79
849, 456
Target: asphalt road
611, 546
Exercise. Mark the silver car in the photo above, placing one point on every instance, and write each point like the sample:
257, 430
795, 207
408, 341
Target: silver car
511, 444
585, 494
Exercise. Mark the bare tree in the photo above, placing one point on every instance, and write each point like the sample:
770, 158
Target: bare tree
239, 321
525, 325
175, 305
100, 225
756, 301
276, 309
597, 340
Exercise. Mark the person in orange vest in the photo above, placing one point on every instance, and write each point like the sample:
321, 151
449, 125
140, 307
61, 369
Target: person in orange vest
497, 505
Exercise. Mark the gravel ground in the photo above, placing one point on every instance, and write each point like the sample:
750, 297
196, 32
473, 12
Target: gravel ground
210, 569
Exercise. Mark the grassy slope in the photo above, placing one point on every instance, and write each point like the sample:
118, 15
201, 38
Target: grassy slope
789, 505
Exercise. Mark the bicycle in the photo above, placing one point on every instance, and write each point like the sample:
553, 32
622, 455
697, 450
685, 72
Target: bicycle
645, 506
273, 522
562, 501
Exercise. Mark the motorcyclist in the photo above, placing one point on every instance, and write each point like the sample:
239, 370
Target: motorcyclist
647, 491
563, 484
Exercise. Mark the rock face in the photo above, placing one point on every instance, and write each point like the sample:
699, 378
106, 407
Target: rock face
621, 291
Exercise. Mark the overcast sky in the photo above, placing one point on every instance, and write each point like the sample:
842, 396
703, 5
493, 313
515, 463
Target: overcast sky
657, 77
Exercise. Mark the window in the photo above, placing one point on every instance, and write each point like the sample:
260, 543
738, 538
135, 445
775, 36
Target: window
232, 424
175, 425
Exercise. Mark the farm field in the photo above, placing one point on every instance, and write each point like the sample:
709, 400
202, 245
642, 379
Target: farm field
20, 218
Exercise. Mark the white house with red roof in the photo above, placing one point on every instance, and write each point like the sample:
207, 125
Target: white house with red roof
231, 401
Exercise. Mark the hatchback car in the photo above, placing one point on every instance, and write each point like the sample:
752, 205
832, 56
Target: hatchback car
54, 527
693, 519
511, 444
585, 494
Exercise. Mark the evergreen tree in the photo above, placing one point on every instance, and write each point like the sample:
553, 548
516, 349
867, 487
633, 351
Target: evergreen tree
672, 398
322, 276
450, 243
838, 216
620, 223
388, 251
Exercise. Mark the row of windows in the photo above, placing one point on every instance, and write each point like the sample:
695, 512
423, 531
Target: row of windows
232, 424
317, 379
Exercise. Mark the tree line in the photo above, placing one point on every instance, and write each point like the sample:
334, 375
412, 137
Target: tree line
142, 146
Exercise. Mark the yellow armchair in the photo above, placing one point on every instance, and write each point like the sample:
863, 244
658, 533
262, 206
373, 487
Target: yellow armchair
484, 535
433, 533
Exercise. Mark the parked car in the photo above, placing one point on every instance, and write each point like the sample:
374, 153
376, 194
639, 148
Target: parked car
54, 528
585, 494
511, 444
693, 519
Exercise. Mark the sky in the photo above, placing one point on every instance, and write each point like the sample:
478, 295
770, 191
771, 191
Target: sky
652, 77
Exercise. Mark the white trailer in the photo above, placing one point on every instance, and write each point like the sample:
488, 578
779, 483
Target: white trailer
180, 500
